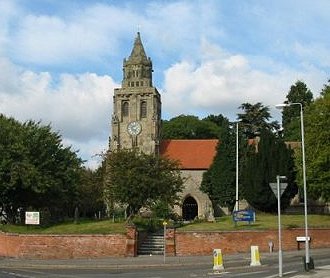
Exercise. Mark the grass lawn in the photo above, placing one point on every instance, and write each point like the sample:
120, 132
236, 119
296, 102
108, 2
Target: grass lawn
84, 227
225, 223
263, 221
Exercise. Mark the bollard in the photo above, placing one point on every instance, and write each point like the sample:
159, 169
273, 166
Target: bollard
255, 256
217, 260
271, 246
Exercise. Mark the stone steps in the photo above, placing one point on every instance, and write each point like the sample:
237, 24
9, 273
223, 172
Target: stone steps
152, 245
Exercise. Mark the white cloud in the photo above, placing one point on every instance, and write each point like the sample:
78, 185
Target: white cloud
78, 106
91, 151
86, 35
99, 30
222, 81
313, 52
213, 56
8, 14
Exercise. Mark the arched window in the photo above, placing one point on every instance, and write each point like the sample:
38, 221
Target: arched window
125, 109
143, 109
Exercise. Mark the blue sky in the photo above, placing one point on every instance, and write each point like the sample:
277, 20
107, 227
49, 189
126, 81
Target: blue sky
61, 59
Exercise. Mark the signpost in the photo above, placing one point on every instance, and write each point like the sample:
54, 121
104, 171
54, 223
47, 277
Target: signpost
273, 186
164, 224
278, 189
32, 218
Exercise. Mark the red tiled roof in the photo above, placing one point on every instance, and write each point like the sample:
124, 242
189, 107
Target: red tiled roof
192, 154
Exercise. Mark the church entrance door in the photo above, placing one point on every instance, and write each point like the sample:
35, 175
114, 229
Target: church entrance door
189, 209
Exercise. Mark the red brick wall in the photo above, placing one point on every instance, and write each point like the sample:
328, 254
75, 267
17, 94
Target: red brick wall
198, 243
177, 243
63, 246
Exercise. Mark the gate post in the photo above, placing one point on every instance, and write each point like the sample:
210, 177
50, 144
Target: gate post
170, 241
131, 241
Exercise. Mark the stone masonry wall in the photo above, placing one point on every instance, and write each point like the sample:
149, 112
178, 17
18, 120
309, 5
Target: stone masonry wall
193, 180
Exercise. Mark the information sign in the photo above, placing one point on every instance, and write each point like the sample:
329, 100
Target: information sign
32, 218
244, 215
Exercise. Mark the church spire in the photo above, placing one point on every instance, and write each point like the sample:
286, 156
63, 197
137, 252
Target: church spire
138, 67
138, 54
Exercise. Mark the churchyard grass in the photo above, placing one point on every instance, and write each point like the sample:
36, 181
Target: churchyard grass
225, 223
263, 221
83, 227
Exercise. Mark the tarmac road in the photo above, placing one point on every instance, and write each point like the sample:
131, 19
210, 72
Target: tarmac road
175, 267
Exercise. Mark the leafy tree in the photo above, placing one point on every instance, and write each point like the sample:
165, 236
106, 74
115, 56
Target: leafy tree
91, 192
141, 180
255, 118
299, 93
219, 181
219, 120
36, 170
189, 127
12, 159
261, 168
317, 147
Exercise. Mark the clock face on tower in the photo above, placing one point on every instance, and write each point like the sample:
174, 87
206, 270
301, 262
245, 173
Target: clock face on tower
134, 128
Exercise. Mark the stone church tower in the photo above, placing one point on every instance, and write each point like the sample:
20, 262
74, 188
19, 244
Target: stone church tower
136, 105
136, 123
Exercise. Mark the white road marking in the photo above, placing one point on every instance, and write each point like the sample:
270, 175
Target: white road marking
248, 273
17, 275
284, 274
324, 267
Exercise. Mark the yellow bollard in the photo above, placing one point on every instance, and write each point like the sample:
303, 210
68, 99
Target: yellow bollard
255, 256
217, 259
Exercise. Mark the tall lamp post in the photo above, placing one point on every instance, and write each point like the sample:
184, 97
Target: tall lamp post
280, 106
237, 201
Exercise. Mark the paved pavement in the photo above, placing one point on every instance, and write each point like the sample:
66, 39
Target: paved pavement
230, 262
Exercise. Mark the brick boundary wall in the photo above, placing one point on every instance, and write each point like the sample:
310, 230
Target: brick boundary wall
203, 243
68, 246
178, 243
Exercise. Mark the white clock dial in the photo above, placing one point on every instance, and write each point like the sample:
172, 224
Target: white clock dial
134, 128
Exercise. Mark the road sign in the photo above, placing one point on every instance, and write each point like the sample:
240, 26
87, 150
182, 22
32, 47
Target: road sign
273, 186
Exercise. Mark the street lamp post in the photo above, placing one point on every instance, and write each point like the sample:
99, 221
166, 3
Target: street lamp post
237, 201
280, 106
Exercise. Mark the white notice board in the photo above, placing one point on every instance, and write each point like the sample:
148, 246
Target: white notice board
32, 218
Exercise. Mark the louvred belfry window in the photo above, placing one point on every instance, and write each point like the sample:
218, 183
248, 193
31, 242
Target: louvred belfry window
143, 113
124, 109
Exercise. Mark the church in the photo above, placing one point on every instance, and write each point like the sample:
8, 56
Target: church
136, 123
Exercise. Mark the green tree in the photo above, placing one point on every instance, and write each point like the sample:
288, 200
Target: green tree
36, 170
91, 192
189, 127
259, 168
219, 181
255, 118
299, 93
219, 120
140, 180
317, 147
